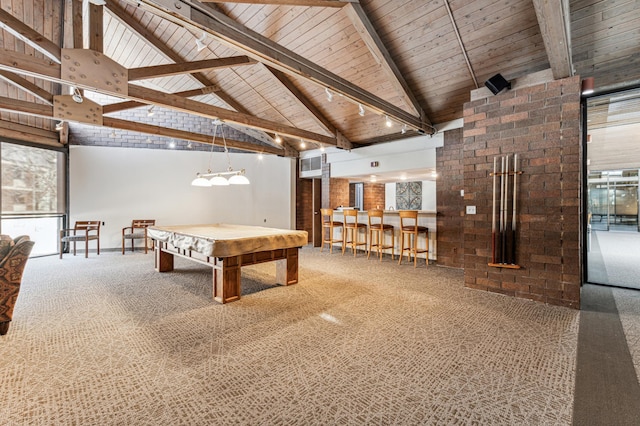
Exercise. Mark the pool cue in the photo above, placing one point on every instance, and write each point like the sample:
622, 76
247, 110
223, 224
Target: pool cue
493, 214
513, 215
501, 253
505, 234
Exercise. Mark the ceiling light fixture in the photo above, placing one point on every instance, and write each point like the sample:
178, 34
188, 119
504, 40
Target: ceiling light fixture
303, 145
60, 126
360, 110
172, 144
113, 134
387, 121
236, 177
404, 129
77, 96
200, 42
329, 94
321, 148
260, 156
150, 111
278, 139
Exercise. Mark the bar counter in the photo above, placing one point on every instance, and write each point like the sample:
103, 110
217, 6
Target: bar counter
391, 217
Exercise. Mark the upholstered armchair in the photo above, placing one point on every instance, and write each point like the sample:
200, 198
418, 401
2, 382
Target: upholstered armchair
13, 258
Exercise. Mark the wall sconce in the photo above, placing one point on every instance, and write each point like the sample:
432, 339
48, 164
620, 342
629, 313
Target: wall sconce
497, 83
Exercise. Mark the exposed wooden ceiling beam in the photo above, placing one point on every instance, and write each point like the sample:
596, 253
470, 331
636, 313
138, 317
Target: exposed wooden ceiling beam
320, 3
11, 130
121, 106
96, 31
263, 49
133, 25
29, 36
303, 100
187, 67
149, 129
369, 35
27, 86
555, 27
25, 64
46, 111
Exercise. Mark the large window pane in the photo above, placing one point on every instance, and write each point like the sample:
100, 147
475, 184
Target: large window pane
33, 197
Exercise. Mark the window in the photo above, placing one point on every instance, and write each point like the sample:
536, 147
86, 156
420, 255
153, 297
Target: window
33, 194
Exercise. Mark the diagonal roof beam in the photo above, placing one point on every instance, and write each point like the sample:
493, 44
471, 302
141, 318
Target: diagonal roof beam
241, 38
133, 25
187, 67
555, 27
46, 111
372, 40
29, 65
29, 36
27, 86
321, 3
121, 106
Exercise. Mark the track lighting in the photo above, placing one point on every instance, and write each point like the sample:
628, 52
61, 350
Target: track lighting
321, 148
303, 145
172, 144
404, 129
278, 139
77, 96
113, 134
387, 121
60, 126
360, 110
260, 156
150, 111
200, 42
329, 94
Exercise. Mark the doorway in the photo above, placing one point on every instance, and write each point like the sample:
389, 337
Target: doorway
612, 190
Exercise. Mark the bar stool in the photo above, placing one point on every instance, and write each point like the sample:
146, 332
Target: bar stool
409, 227
352, 230
378, 229
329, 224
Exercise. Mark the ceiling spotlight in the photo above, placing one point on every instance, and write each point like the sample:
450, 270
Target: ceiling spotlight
148, 140
60, 126
260, 156
360, 110
329, 94
113, 134
434, 174
374, 178
189, 145
172, 144
404, 129
278, 139
200, 42
387, 121
302, 144
150, 111
77, 96
321, 148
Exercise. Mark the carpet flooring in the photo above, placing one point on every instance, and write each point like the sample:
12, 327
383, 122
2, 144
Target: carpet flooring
109, 341
614, 259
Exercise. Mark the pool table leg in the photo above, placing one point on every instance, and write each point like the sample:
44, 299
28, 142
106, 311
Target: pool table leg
226, 280
163, 260
287, 269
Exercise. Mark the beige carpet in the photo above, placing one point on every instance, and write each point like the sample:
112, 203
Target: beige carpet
108, 341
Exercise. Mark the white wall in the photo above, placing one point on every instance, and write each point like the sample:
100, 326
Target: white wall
116, 185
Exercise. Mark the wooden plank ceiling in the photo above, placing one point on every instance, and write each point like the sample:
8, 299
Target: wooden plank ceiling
269, 67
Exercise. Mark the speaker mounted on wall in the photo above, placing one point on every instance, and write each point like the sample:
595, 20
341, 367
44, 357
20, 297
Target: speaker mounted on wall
497, 83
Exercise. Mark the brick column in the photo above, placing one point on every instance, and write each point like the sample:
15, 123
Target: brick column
541, 124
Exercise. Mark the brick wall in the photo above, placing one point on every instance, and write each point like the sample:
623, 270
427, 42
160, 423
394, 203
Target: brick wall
304, 205
450, 204
373, 196
541, 124
339, 192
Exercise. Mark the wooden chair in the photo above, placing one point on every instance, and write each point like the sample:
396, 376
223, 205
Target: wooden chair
328, 227
137, 231
15, 254
377, 228
409, 227
352, 230
83, 230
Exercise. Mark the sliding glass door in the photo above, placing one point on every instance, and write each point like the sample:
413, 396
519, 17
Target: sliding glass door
33, 194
